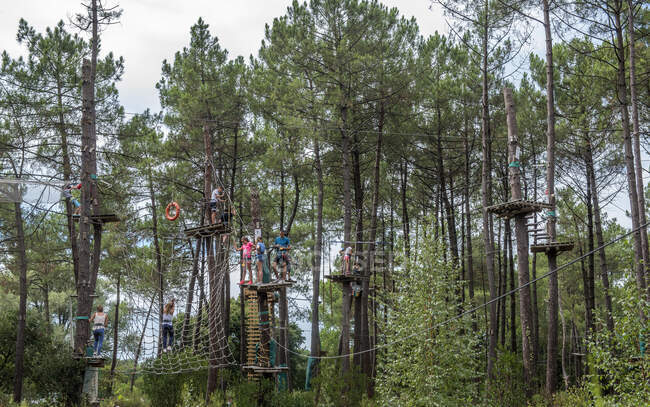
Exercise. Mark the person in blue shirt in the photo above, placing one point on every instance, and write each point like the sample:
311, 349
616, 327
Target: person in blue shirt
282, 246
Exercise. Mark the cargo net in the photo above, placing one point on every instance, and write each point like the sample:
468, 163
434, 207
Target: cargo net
35, 192
199, 335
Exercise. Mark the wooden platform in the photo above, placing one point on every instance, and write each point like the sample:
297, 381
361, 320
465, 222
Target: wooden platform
104, 218
208, 230
520, 207
342, 278
265, 287
95, 361
552, 247
260, 369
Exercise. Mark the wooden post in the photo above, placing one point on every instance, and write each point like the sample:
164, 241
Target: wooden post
84, 301
212, 278
521, 233
551, 347
344, 348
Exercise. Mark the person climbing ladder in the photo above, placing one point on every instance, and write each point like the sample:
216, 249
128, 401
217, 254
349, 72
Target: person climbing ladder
99, 321
167, 327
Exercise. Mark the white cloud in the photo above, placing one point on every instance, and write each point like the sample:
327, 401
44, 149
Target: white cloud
151, 31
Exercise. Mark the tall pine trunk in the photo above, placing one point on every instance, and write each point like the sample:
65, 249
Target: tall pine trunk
486, 200
22, 304
551, 344
637, 144
621, 90
600, 241
318, 249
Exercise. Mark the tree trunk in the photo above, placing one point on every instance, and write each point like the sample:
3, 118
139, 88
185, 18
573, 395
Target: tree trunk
600, 241
405, 215
213, 317
282, 188
638, 167
367, 365
190, 291
468, 224
158, 254
67, 177
46, 305
486, 200
551, 346
528, 352
513, 297
22, 304
94, 191
84, 301
196, 339
116, 323
296, 203
139, 348
318, 249
589, 275
360, 311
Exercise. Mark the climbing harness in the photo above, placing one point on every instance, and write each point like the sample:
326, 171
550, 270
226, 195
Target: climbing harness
172, 207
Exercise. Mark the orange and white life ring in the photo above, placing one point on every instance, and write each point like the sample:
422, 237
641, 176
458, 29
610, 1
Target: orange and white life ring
172, 207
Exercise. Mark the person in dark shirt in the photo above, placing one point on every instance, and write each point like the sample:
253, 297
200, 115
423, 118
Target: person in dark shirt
282, 246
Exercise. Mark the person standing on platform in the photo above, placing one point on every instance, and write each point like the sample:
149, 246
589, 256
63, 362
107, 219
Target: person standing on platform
347, 256
261, 250
99, 321
282, 245
216, 203
246, 249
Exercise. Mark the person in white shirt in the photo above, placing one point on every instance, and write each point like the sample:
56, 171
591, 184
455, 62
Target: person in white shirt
167, 327
99, 321
215, 202
347, 255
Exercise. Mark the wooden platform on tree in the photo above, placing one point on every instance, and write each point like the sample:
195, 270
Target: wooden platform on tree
260, 369
104, 218
272, 286
552, 247
95, 361
519, 207
208, 230
342, 278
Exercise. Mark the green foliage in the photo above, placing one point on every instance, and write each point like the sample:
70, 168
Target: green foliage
50, 372
432, 356
616, 364
335, 389
169, 389
507, 388
123, 396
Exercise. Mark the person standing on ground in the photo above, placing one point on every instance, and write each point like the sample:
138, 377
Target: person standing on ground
167, 326
99, 321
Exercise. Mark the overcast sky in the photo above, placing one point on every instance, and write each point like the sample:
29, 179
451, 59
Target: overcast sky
153, 30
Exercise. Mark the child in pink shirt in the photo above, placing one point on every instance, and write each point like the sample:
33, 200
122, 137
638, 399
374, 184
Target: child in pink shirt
246, 248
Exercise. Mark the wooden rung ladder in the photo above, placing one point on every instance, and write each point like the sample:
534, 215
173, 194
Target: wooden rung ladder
252, 331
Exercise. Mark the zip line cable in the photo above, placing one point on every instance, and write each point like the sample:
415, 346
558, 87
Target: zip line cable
478, 307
